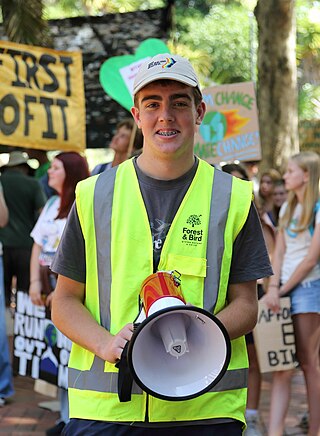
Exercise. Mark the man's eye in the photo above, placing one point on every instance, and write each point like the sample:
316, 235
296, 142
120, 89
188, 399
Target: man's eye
152, 105
181, 103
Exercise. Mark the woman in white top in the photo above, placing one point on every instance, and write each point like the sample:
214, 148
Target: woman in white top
297, 274
66, 170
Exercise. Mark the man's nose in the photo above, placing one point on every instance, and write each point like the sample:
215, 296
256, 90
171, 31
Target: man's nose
166, 114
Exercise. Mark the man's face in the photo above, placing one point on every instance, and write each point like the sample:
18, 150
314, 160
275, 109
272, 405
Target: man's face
121, 139
168, 117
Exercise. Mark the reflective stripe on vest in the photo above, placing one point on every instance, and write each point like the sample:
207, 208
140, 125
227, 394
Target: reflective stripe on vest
108, 382
221, 191
96, 379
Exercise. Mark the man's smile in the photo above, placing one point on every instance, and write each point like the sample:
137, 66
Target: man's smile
167, 133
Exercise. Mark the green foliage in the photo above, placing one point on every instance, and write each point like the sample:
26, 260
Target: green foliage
308, 34
225, 35
63, 8
192, 6
70, 8
309, 102
200, 59
308, 57
23, 22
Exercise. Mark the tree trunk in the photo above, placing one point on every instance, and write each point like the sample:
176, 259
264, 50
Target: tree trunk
277, 81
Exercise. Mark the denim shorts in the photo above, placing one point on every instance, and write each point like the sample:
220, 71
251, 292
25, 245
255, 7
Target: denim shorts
305, 298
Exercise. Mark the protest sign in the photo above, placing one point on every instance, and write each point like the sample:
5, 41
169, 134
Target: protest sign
41, 98
230, 129
309, 135
40, 350
274, 338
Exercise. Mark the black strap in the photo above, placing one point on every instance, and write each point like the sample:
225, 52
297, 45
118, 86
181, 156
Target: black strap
125, 378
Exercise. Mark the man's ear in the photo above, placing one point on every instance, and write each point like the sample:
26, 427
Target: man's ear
201, 110
136, 115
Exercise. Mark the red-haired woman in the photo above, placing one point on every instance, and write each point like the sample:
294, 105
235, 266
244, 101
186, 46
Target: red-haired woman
66, 170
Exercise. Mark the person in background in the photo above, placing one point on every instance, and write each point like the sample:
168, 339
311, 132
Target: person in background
6, 382
264, 199
252, 170
120, 143
66, 170
279, 197
42, 157
255, 426
41, 173
297, 274
236, 170
25, 199
132, 219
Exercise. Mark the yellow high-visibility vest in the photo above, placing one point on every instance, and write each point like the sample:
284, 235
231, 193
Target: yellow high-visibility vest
119, 256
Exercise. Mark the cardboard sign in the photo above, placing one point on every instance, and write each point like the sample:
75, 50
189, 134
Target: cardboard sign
40, 350
42, 102
309, 134
230, 129
274, 338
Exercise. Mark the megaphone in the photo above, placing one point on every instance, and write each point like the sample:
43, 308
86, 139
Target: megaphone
177, 352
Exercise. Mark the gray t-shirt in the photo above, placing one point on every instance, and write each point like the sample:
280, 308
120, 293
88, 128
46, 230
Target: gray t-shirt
250, 260
162, 199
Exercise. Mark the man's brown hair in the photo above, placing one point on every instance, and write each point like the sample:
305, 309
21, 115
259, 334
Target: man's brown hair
165, 82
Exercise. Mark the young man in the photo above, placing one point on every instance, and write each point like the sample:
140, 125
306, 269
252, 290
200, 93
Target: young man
108, 250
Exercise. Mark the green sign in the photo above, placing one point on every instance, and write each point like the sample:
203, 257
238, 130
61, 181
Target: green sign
117, 73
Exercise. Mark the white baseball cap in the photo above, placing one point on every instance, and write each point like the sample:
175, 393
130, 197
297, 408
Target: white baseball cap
165, 66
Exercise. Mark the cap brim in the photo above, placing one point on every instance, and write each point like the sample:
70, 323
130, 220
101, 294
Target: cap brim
167, 76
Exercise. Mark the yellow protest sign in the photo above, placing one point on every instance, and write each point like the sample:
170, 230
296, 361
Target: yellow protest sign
42, 101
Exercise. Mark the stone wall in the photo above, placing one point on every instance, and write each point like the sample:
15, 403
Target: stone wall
99, 38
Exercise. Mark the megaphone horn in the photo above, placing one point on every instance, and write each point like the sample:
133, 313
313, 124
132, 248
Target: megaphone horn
178, 352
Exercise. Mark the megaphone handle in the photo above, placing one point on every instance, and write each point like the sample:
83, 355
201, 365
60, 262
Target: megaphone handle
125, 378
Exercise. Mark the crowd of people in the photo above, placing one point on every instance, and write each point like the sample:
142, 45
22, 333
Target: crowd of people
69, 242
288, 206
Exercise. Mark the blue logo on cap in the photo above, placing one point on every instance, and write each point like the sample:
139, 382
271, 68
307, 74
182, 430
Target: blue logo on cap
167, 63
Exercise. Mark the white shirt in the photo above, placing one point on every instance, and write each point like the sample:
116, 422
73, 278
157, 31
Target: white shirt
48, 230
297, 246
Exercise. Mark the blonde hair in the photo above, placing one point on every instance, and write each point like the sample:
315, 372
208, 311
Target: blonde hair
309, 162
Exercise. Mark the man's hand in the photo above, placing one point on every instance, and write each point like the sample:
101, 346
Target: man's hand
75, 321
117, 343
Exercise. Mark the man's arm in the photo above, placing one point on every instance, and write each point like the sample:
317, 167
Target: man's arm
240, 315
74, 320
